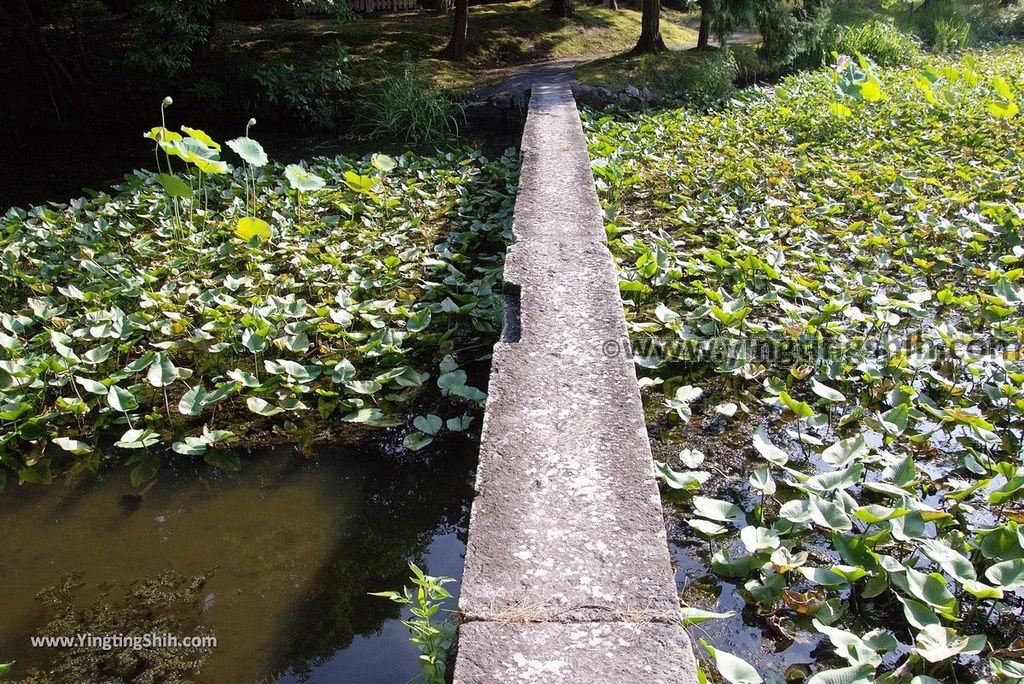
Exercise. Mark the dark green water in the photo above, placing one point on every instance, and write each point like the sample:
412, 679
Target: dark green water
292, 546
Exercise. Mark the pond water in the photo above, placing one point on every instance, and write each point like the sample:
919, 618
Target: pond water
743, 634
290, 546
778, 637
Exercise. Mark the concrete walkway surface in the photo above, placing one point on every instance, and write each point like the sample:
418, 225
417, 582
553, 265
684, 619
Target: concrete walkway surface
567, 575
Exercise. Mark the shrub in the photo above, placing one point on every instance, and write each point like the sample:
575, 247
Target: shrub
820, 51
403, 107
1002, 22
169, 34
308, 93
790, 29
880, 40
1011, 25
699, 77
951, 33
335, 9
945, 25
713, 78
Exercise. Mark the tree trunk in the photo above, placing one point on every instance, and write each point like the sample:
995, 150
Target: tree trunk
562, 8
457, 45
650, 31
705, 25
611, 4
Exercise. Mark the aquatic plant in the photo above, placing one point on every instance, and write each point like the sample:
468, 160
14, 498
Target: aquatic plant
951, 33
165, 603
250, 227
840, 258
196, 149
434, 638
403, 106
164, 315
882, 41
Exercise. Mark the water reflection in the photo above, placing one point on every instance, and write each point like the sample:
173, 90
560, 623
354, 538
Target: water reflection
295, 544
741, 634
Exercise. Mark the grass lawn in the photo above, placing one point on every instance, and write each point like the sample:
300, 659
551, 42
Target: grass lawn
500, 35
660, 73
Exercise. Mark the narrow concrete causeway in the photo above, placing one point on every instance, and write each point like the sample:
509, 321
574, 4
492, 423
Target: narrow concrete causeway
567, 575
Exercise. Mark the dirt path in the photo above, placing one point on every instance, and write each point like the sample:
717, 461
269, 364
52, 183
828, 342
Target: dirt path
525, 76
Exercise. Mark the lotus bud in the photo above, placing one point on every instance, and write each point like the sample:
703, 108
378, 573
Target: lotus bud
167, 101
252, 122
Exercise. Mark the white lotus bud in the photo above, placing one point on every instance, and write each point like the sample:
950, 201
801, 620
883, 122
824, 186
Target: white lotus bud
252, 122
167, 101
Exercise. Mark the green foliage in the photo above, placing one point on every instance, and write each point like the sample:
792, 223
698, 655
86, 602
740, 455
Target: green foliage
433, 638
840, 217
949, 25
335, 9
880, 40
169, 34
699, 77
942, 24
712, 78
1008, 22
308, 92
193, 299
733, 669
790, 28
951, 34
404, 107
727, 16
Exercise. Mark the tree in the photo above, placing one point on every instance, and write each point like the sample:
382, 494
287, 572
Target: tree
704, 33
725, 16
650, 29
457, 45
787, 27
611, 4
562, 8
171, 35
790, 28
